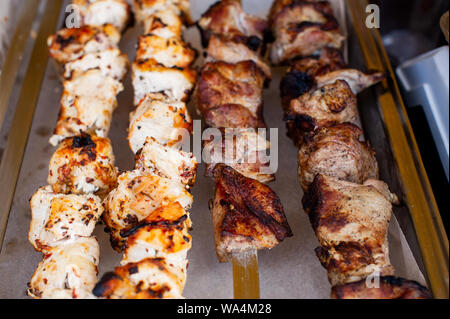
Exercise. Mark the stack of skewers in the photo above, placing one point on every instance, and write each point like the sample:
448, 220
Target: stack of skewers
147, 214
349, 208
82, 171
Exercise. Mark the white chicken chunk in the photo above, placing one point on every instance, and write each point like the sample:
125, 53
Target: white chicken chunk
83, 164
166, 24
111, 63
147, 279
163, 234
172, 52
149, 77
87, 106
167, 162
68, 270
136, 197
72, 43
100, 12
55, 217
167, 123
147, 8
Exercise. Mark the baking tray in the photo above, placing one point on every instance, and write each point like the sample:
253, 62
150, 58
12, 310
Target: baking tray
418, 242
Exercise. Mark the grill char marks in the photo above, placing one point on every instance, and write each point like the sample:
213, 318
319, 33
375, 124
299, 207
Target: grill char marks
246, 214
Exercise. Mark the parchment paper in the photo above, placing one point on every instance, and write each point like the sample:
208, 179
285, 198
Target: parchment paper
290, 270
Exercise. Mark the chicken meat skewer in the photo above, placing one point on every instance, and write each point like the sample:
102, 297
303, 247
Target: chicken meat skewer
147, 214
247, 215
82, 170
348, 207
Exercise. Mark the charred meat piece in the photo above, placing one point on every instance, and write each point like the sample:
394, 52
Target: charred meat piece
163, 234
83, 164
301, 28
357, 80
336, 151
150, 77
55, 217
166, 122
389, 288
145, 9
146, 279
138, 194
224, 83
238, 49
328, 105
70, 44
67, 271
87, 106
227, 17
245, 150
301, 74
246, 214
351, 222
171, 52
232, 116
165, 161
100, 12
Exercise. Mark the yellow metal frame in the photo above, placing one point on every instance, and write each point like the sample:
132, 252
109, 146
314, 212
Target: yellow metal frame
431, 235
23, 118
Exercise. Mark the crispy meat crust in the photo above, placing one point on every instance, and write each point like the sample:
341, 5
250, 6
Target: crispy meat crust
246, 214
232, 116
390, 288
222, 83
351, 223
227, 17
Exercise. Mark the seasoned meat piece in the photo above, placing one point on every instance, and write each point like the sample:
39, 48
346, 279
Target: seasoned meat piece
147, 279
328, 105
100, 12
146, 8
67, 271
70, 44
300, 76
163, 234
303, 40
227, 17
389, 288
235, 50
357, 80
136, 197
166, 24
232, 116
302, 28
246, 214
112, 63
336, 151
149, 77
172, 52
87, 104
83, 164
283, 15
55, 217
351, 222
224, 83
242, 149
167, 123
165, 161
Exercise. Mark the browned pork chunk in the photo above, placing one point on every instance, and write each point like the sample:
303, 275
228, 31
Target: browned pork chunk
351, 222
246, 214
336, 151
